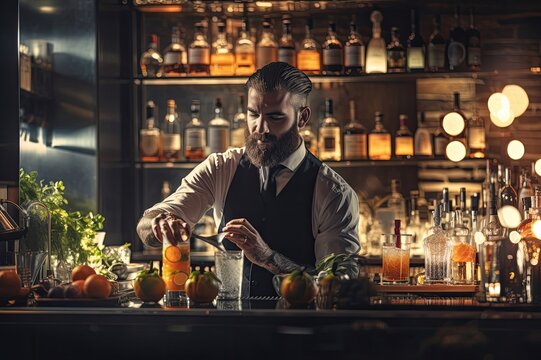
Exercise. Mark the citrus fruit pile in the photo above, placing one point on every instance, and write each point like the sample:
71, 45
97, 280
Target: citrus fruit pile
85, 284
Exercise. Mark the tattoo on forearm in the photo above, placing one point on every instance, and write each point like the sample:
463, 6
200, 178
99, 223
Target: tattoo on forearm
279, 264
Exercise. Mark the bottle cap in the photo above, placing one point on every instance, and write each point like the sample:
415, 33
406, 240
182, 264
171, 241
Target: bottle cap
474, 200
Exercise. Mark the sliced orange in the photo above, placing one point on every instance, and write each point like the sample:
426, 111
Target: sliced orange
172, 254
180, 278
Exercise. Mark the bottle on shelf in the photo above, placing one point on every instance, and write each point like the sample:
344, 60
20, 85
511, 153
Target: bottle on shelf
329, 135
446, 208
457, 110
416, 47
466, 216
332, 52
266, 48
525, 190
219, 130
396, 202
423, 138
456, 45
508, 194
199, 53
473, 49
195, 135
436, 48
463, 252
286, 45
476, 136
355, 141
310, 139
440, 142
150, 145
403, 141
244, 52
379, 140
354, 52
238, 130
437, 251
396, 54
222, 60
308, 56
174, 56
415, 227
151, 60
376, 52
535, 177
530, 237
172, 143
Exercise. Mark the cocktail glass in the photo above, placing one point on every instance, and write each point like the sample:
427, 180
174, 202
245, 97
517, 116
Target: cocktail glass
175, 271
229, 267
396, 259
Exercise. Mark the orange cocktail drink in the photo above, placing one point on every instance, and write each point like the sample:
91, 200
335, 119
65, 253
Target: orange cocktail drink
176, 269
396, 260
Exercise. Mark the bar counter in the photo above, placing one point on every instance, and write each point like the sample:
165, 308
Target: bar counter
261, 331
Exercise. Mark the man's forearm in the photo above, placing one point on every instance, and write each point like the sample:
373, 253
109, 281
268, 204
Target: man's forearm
144, 230
277, 263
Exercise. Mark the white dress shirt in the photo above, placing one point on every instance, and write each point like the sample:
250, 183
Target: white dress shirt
335, 206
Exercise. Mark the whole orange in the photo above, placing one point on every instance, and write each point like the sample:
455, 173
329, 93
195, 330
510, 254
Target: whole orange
81, 272
81, 285
97, 286
10, 284
149, 286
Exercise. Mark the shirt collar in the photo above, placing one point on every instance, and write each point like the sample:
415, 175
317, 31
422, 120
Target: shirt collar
295, 159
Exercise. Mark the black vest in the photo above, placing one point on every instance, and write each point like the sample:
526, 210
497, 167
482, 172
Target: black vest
285, 223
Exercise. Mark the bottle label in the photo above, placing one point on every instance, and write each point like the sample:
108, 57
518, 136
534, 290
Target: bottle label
354, 56
332, 57
171, 142
287, 56
265, 55
379, 146
237, 137
440, 145
195, 138
330, 138
149, 144
456, 53
474, 56
308, 60
199, 56
172, 58
423, 145
403, 146
354, 146
218, 139
436, 55
416, 58
476, 138
376, 58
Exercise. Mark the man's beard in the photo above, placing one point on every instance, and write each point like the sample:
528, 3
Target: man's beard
275, 150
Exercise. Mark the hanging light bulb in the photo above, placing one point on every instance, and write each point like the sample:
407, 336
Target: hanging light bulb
538, 167
515, 237
497, 102
515, 149
518, 99
455, 151
509, 216
453, 123
502, 118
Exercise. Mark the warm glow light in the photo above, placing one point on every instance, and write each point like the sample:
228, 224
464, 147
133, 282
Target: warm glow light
509, 216
479, 237
502, 118
535, 69
47, 9
515, 150
536, 229
455, 151
453, 123
497, 102
538, 167
518, 99
264, 4
515, 237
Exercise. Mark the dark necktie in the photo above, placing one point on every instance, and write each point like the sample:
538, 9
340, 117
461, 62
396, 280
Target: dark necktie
269, 193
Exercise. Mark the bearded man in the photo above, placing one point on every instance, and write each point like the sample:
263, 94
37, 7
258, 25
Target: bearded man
275, 200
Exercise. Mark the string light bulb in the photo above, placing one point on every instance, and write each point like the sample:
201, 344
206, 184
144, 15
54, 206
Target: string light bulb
515, 149
518, 99
455, 151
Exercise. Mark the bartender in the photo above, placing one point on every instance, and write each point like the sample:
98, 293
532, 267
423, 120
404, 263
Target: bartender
275, 200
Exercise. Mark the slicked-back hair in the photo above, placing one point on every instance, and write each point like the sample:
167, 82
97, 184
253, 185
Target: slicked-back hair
281, 76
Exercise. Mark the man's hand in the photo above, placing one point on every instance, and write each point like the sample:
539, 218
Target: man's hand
167, 226
247, 238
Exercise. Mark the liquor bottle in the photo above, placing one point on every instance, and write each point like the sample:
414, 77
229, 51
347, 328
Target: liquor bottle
436, 48
244, 52
446, 210
403, 141
416, 47
456, 46
525, 190
172, 141
440, 142
474, 213
174, 56
333, 54
376, 53
151, 61
199, 53
238, 131
222, 60
473, 46
462, 252
310, 140
354, 137
534, 178
379, 140
396, 202
531, 238
476, 136
423, 138
437, 251
219, 130
266, 48
195, 135
415, 227
457, 109
508, 195
396, 54
354, 52
329, 135
286, 45
150, 137
466, 214
308, 57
